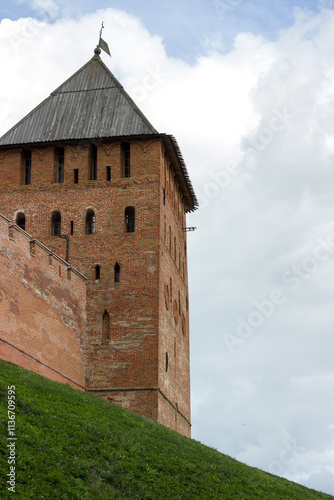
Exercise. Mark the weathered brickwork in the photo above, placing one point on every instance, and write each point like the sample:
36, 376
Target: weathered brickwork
137, 344
174, 380
89, 176
42, 308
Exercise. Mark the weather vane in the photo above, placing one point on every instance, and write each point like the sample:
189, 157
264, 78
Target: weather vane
102, 44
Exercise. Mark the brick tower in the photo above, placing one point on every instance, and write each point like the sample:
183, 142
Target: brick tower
88, 175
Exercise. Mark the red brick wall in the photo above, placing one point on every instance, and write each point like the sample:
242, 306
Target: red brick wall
128, 367
174, 382
42, 309
140, 401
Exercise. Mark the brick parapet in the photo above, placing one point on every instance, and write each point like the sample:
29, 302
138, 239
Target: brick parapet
43, 308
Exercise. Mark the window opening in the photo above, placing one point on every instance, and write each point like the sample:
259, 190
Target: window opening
59, 163
126, 161
26, 167
56, 224
76, 175
90, 222
167, 297
108, 168
166, 361
130, 219
105, 325
21, 220
93, 162
117, 273
72, 227
97, 272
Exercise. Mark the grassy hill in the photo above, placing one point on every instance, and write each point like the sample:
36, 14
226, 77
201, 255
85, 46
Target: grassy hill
71, 445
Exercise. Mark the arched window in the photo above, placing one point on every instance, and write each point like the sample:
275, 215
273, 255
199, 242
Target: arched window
21, 220
130, 219
117, 272
90, 222
56, 224
105, 326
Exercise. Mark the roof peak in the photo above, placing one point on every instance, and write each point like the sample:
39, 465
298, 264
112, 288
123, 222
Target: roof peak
88, 106
91, 104
97, 52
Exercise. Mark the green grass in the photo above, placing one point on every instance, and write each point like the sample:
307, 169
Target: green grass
72, 445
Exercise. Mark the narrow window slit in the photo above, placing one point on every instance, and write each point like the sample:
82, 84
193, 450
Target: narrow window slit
117, 273
105, 326
97, 272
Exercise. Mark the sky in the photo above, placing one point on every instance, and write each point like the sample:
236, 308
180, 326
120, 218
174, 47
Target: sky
247, 89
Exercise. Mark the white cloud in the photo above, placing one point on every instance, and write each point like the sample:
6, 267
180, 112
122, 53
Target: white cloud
46, 9
256, 130
260, 229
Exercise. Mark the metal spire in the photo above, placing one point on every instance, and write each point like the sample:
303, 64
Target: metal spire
102, 44
102, 27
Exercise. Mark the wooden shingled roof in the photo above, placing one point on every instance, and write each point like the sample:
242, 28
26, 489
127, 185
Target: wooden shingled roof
92, 105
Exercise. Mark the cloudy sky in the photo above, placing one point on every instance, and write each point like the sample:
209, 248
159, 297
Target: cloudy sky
247, 88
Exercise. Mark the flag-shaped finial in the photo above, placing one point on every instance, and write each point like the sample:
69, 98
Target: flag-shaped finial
102, 44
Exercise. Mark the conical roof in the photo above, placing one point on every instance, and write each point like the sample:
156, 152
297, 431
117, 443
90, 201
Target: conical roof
91, 104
